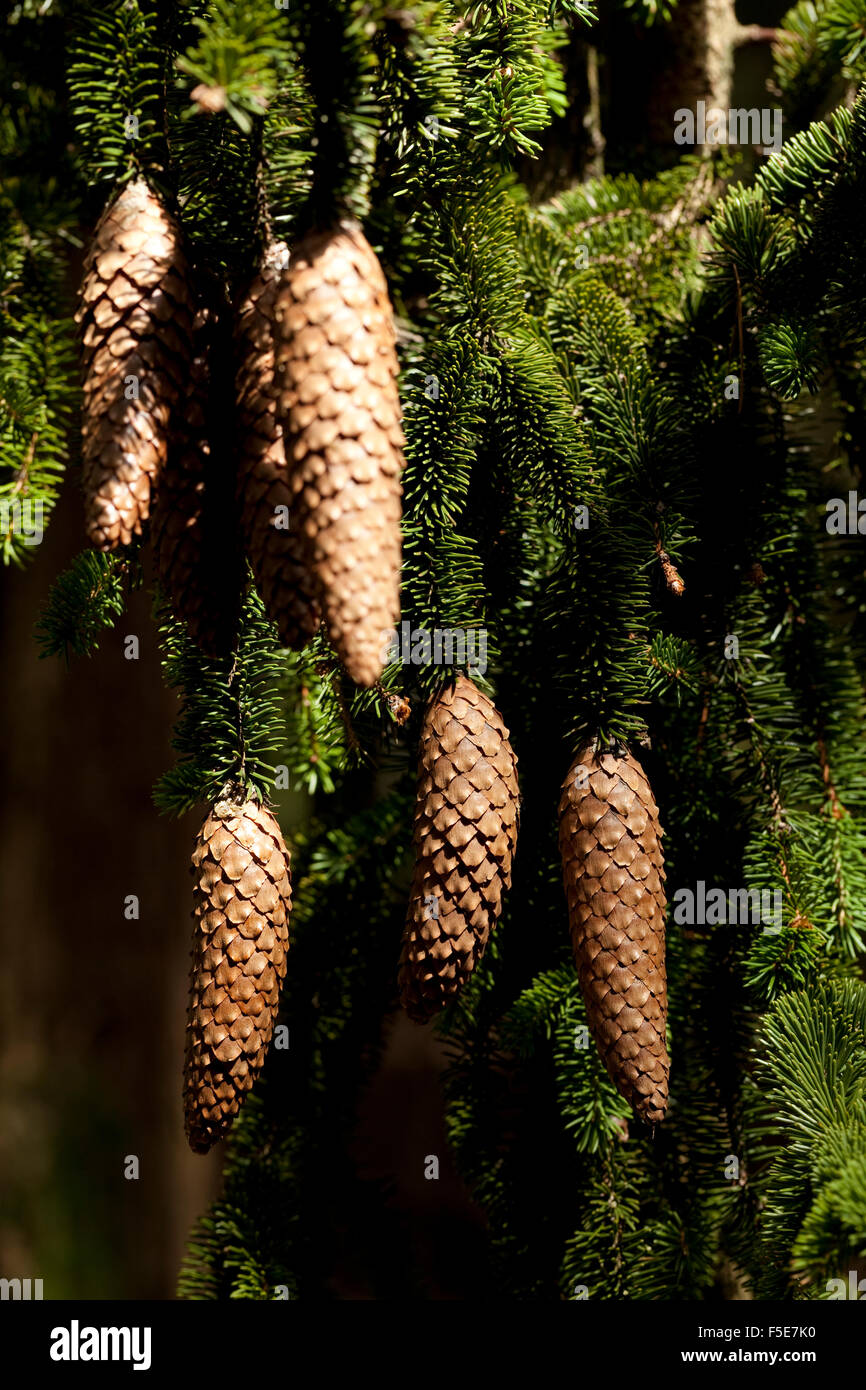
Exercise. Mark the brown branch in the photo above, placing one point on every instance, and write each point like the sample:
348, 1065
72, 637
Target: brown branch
672, 576
758, 33
742, 358
836, 807
24, 470
837, 812
702, 722
780, 822
666, 222
334, 678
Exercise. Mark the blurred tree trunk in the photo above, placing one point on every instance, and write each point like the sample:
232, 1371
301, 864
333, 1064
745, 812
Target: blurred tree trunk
93, 1005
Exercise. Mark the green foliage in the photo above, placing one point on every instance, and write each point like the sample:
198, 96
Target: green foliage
338, 47
236, 58
551, 1010
791, 357
571, 434
651, 11
230, 728
509, 67
35, 419
814, 1076
84, 603
37, 220
331, 726
444, 400
782, 251
820, 45
780, 963
115, 84
420, 79
631, 231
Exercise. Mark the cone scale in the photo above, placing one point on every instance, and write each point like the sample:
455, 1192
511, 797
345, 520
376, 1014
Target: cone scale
269, 522
336, 367
242, 902
465, 836
613, 872
135, 321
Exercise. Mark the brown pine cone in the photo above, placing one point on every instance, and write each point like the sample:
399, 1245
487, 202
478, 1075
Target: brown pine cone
243, 898
465, 834
135, 320
270, 528
613, 869
337, 377
193, 530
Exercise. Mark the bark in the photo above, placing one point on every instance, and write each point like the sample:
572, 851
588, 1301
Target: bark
697, 63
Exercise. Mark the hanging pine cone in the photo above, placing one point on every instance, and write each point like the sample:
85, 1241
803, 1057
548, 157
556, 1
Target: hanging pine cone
465, 834
196, 557
271, 529
613, 869
337, 376
135, 321
243, 898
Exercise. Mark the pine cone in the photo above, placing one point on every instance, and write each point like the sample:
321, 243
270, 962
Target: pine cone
465, 834
135, 321
270, 528
337, 376
613, 869
197, 560
243, 898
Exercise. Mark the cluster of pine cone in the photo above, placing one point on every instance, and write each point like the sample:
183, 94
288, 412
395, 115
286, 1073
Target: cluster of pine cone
316, 419
313, 501
316, 502
610, 843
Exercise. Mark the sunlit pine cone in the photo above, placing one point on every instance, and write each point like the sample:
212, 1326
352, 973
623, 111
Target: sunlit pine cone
613, 870
269, 520
242, 902
465, 836
337, 379
135, 320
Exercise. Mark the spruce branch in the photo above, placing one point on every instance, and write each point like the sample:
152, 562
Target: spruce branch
85, 602
230, 730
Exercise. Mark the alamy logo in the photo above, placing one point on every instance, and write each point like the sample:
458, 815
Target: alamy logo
23, 1289
449, 646
22, 518
846, 517
855, 1288
727, 907
75, 1343
736, 126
